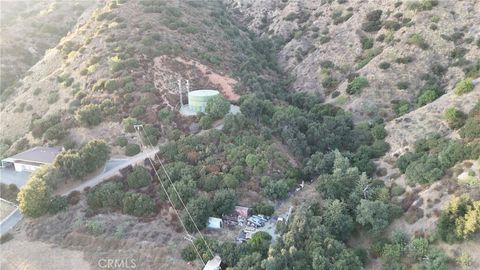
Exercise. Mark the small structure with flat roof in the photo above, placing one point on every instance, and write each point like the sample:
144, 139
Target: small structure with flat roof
214, 223
214, 264
32, 159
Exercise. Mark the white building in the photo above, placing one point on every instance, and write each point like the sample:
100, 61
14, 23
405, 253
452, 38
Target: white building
214, 264
214, 223
32, 159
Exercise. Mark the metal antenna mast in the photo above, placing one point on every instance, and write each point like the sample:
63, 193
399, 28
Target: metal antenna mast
180, 91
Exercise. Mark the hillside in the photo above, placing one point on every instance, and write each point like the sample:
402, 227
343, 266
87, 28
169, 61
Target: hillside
28, 29
324, 45
131, 55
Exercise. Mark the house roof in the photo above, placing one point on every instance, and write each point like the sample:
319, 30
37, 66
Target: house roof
214, 222
213, 264
39, 154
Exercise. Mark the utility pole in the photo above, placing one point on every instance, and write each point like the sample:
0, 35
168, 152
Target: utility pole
180, 91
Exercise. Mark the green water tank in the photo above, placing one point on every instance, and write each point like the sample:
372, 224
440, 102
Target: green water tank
197, 100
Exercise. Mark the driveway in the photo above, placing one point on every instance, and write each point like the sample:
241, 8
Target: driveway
8, 175
111, 169
10, 221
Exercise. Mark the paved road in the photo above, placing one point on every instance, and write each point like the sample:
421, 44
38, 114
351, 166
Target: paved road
10, 221
16, 216
113, 171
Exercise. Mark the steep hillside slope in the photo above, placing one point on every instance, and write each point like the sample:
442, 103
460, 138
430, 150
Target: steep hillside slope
127, 56
28, 29
405, 130
393, 44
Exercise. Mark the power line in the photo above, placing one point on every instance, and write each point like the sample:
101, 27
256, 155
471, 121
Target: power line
168, 196
178, 195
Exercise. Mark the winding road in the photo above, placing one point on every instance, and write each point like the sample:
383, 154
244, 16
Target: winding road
13, 218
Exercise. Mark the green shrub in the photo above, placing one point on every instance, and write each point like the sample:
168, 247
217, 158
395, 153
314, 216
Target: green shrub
418, 248
166, 115
137, 204
56, 132
455, 118
367, 56
367, 42
392, 25
330, 82
426, 97
356, 85
89, 115
57, 204
418, 40
111, 85
106, 195
34, 197
37, 91
206, 122
200, 209
263, 209
404, 60
425, 170
401, 107
224, 201
217, 107
9, 192
151, 134
397, 190
464, 86
403, 85
95, 227
138, 178
121, 141
421, 5
128, 124
138, 111
53, 97
372, 22
132, 149
384, 65
374, 15
471, 129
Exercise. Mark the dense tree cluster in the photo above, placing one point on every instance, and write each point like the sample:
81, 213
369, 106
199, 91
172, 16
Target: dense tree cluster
78, 163
399, 251
50, 123
112, 195
311, 128
35, 198
460, 219
433, 156
240, 156
353, 193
